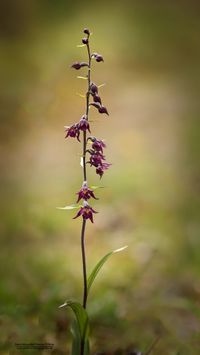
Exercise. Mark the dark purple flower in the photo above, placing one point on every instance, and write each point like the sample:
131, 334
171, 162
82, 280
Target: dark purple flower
78, 65
72, 131
97, 98
103, 109
93, 89
101, 168
84, 125
85, 40
99, 58
85, 193
96, 159
98, 145
86, 212
87, 31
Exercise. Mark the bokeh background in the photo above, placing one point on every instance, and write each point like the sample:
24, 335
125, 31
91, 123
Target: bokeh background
151, 197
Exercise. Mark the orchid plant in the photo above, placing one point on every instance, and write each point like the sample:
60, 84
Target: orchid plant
92, 155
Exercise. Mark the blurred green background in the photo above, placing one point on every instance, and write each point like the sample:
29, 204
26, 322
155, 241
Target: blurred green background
151, 197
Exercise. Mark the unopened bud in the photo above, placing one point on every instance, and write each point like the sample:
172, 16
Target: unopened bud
99, 58
78, 65
103, 110
87, 31
93, 89
85, 40
97, 98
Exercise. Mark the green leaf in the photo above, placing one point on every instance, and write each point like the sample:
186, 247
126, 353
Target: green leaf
80, 45
70, 207
76, 340
79, 328
81, 318
99, 265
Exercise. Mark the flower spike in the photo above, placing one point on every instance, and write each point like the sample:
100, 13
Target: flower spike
92, 155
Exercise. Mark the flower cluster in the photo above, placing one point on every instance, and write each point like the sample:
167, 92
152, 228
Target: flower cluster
97, 158
86, 211
96, 154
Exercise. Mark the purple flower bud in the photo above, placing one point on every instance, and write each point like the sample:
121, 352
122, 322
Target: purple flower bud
83, 124
103, 109
99, 58
97, 98
85, 193
87, 31
78, 65
73, 131
93, 89
86, 212
85, 40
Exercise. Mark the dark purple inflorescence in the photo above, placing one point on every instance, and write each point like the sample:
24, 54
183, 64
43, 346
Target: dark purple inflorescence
95, 151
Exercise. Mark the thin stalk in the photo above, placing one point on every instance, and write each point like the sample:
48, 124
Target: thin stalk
84, 263
85, 179
84, 277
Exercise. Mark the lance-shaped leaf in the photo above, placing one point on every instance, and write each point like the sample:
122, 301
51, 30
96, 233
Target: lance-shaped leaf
81, 316
99, 265
76, 341
70, 207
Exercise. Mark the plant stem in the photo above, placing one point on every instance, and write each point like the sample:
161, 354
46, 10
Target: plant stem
85, 179
84, 263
